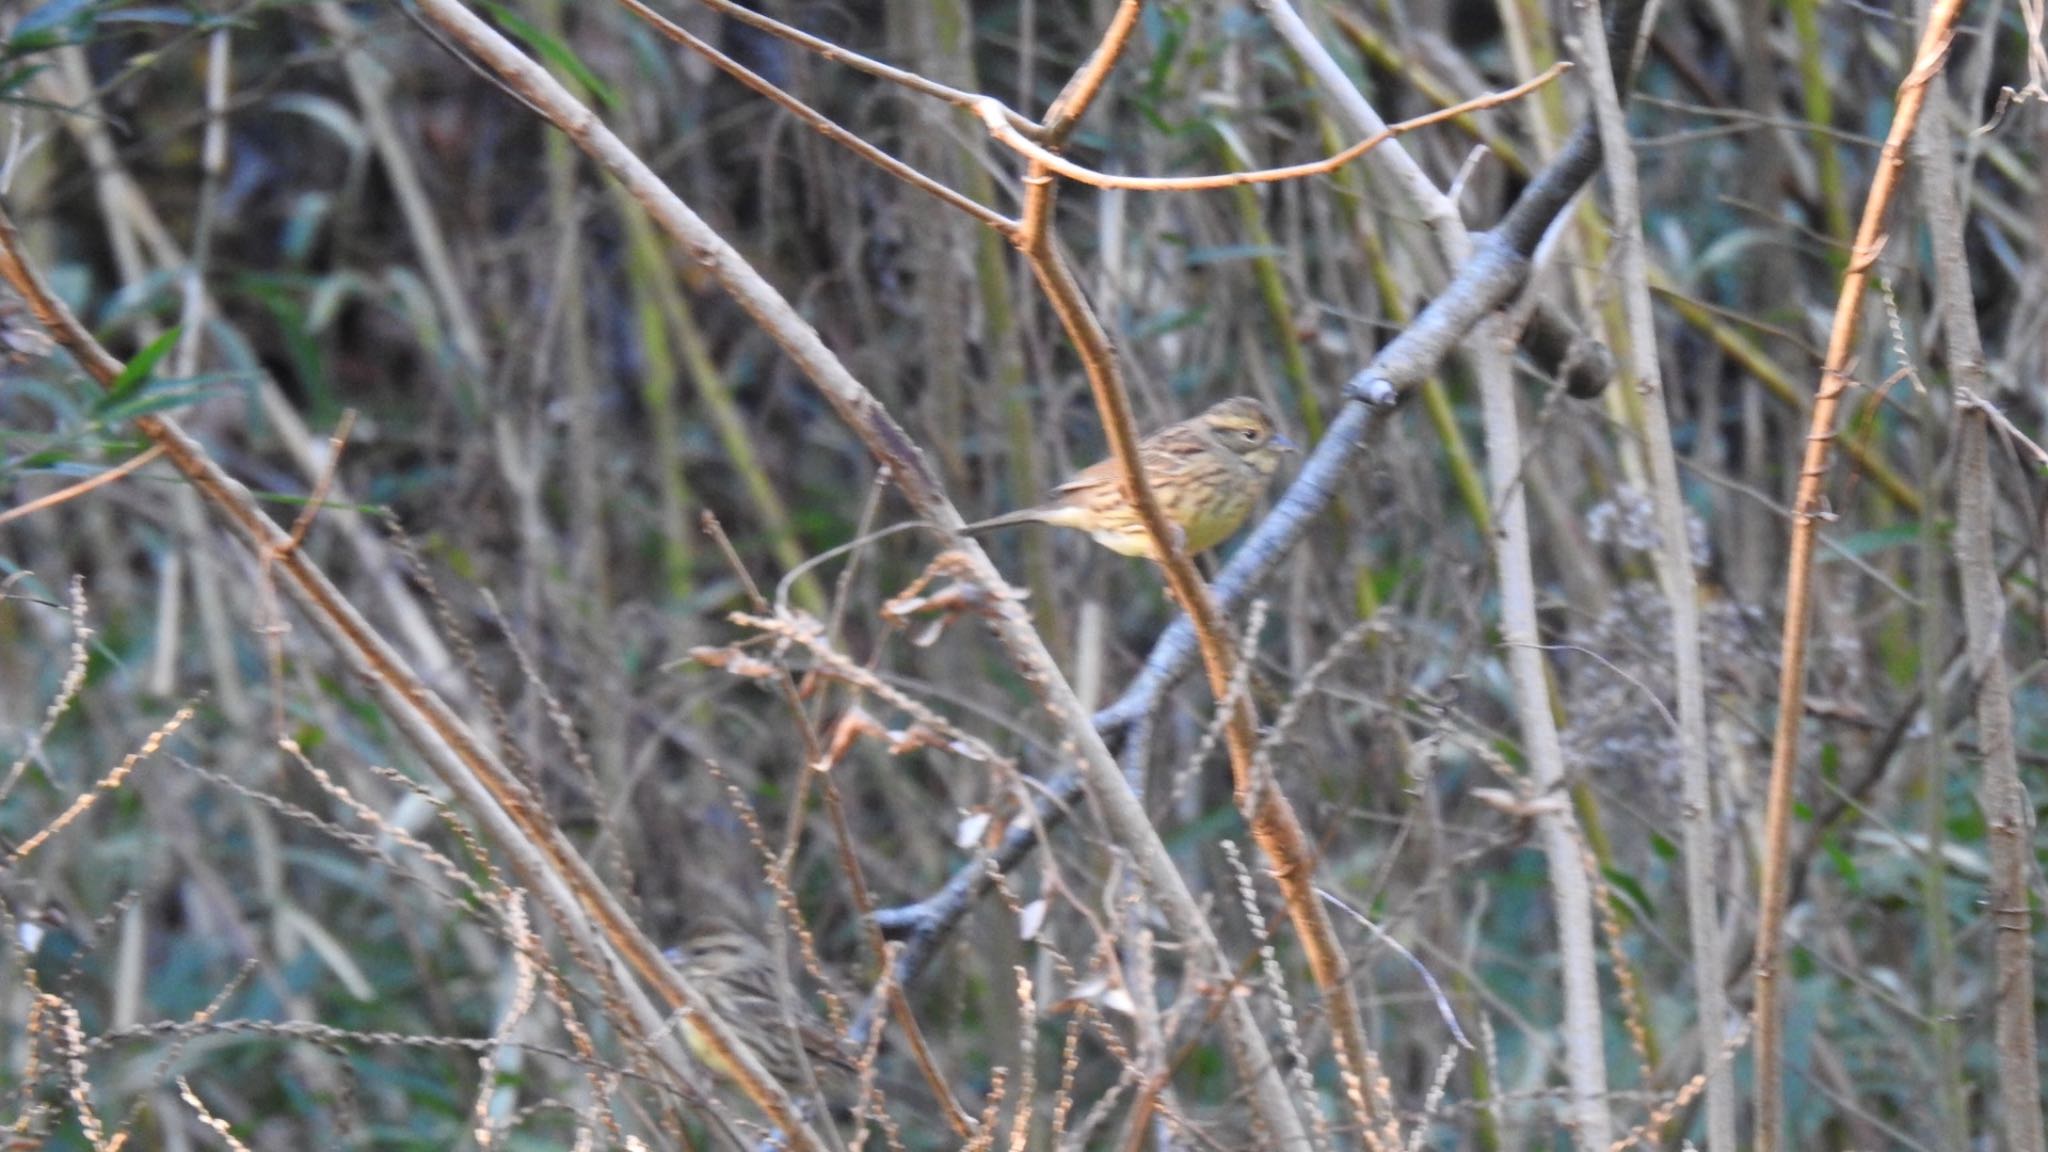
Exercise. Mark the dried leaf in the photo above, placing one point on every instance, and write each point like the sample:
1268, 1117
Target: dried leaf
1118, 1000
788, 622
1088, 991
1098, 991
980, 753
970, 829
962, 597
1032, 919
1506, 802
855, 724
915, 737
735, 661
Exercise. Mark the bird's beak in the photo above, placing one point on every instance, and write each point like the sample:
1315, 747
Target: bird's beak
1281, 442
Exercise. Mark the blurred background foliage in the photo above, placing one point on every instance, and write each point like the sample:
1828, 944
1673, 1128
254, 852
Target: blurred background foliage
547, 398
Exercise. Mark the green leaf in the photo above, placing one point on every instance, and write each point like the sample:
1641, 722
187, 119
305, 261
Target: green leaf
330, 295
1633, 890
136, 375
1968, 827
159, 14
17, 79
1845, 864
1166, 29
161, 395
49, 459
1878, 540
554, 52
155, 293
50, 17
62, 461
1167, 322
310, 738
1230, 253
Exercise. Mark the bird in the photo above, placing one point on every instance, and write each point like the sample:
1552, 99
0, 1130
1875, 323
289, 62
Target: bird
737, 974
1206, 472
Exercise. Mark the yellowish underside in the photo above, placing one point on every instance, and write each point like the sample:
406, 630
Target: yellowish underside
1128, 537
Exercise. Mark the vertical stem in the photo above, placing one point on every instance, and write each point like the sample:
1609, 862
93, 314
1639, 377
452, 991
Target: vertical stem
1273, 820
1003, 336
1586, 1061
367, 82
587, 566
1582, 1022
2008, 815
1953, 1121
1806, 512
1280, 836
1681, 592
1272, 284
1937, 171
715, 393
1820, 113
653, 284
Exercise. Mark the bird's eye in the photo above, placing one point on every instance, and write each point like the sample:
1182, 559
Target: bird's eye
1249, 433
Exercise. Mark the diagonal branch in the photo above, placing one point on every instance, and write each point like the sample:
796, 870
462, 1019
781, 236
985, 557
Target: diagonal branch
1482, 285
914, 478
1275, 825
840, 54
823, 124
512, 815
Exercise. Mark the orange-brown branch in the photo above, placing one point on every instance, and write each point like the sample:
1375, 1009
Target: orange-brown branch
1806, 511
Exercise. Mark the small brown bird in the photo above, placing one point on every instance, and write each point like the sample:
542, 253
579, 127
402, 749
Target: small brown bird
1206, 473
736, 973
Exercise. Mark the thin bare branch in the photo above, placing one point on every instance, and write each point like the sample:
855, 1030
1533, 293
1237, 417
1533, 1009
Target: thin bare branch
914, 478
1807, 511
2001, 794
819, 121
1681, 593
588, 911
992, 117
838, 54
132, 464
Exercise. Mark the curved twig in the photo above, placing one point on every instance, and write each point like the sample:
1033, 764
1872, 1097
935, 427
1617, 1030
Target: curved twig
994, 116
74, 491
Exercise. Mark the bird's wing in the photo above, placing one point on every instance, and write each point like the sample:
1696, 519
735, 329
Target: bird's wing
1093, 476
1167, 453
1174, 451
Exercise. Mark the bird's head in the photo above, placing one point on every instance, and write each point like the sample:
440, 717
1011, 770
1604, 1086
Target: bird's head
1244, 426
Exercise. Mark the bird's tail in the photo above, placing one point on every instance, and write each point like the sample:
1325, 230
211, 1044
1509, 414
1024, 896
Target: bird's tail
1022, 516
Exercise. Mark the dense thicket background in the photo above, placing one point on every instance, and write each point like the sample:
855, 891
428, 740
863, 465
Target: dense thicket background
540, 424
